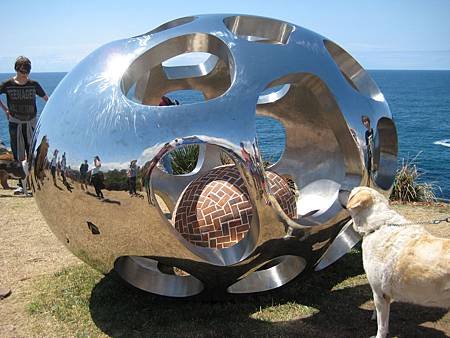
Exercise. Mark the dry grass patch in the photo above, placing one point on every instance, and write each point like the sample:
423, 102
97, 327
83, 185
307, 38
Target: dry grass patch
284, 312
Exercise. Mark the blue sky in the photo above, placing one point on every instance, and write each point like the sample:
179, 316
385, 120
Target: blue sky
381, 34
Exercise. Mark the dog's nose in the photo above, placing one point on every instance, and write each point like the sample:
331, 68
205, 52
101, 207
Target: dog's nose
343, 197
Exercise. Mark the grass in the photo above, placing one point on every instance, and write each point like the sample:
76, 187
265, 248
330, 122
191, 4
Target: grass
335, 302
80, 300
64, 297
408, 186
284, 312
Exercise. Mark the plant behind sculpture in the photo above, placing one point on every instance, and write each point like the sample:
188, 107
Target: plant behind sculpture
408, 186
184, 159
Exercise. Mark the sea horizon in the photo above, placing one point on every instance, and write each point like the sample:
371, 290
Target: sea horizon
368, 69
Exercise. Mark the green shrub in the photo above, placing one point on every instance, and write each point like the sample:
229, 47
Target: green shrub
407, 184
116, 180
226, 159
184, 159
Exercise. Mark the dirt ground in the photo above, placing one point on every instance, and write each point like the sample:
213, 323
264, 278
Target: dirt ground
28, 249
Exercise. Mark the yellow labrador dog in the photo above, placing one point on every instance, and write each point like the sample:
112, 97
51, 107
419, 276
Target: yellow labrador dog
402, 263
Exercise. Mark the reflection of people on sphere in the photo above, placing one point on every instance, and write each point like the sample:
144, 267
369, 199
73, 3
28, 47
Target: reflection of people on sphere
254, 165
167, 159
63, 168
84, 168
97, 177
150, 165
166, 101
64, 172
40, 161
53, 165
369, 142
154, 161
132, 174
58, 168
21, 109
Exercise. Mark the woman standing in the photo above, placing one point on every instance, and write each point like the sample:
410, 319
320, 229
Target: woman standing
97, 177
132, 174
53, 165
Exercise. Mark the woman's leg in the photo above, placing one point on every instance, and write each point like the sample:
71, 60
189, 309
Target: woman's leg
133, 185
13, 138
26, 142
95, 183
53, 171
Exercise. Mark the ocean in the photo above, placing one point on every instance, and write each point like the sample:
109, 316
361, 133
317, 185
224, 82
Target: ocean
419, 102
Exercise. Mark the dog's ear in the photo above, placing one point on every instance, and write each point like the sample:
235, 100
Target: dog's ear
360, 200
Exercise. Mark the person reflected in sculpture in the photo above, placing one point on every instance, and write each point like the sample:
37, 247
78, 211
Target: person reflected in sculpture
58, 167
97, 177
20, 108
167, 101
84, 168
167, 159
132, 174
53, 165
40, 161
369, 143
63, 168
65, 172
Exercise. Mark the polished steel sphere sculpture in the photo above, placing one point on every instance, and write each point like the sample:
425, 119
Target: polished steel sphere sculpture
232, 228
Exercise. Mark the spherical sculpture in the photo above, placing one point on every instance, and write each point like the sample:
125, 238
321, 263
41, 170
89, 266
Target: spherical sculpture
167, 233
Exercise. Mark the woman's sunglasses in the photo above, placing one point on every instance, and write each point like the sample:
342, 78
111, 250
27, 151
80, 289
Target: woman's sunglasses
24, 69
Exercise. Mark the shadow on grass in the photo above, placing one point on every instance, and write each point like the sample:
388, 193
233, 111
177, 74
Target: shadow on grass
307, 307
15, 196
7, 196
105, 200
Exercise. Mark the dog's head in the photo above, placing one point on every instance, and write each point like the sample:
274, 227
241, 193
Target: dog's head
12, 169
369, 209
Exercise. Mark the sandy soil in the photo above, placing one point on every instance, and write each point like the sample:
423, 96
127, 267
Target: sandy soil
28, 249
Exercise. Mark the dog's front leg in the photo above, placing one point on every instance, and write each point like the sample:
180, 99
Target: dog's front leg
382, 306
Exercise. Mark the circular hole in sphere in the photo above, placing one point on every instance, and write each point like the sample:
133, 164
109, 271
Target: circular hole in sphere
215, 210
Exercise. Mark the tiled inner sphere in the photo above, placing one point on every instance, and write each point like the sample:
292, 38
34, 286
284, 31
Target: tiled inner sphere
215, 211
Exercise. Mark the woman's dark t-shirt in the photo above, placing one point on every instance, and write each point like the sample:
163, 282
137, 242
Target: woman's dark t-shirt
21, 99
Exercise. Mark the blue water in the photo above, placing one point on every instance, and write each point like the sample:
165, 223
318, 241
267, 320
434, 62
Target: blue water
419, 101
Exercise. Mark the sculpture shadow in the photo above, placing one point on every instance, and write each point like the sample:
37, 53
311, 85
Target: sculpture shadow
110, 201
122, 310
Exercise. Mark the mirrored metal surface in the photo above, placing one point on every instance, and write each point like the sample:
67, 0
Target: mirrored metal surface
275, 273
342, 244
103, 170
